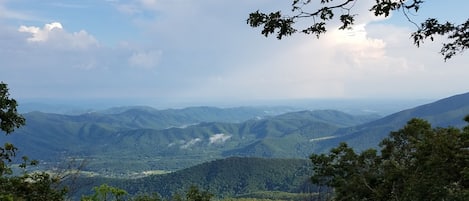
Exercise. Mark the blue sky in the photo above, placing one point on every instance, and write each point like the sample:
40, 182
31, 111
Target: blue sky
202, 51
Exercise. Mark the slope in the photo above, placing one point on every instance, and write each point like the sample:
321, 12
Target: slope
130, 141
442, 113
224, 177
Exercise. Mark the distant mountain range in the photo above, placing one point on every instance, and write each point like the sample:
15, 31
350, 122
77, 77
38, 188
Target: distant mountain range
352, 106
138, 139
134, 139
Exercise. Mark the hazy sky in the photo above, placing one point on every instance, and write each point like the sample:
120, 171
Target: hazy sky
154, 51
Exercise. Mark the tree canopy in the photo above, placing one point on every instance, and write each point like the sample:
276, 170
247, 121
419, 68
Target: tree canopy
417, 162
9, 116
328, 10
9, 120
35, 186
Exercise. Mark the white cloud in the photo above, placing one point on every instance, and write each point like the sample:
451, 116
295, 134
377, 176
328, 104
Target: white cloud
219, 138
145, 59
54, 35
41, 34
363, 53
191, 142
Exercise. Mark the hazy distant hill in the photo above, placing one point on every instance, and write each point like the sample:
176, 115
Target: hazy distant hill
56, 131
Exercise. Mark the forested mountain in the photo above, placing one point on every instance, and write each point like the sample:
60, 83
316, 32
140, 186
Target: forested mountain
122, 141
442, 113
230, 177
137, 139
54, 135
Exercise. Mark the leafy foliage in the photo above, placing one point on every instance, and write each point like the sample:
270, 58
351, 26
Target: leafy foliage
274, 195
9, 117
457, 34
417, 162
9, 120
145, 197
105, 192
194, 194
283, 24
35, 186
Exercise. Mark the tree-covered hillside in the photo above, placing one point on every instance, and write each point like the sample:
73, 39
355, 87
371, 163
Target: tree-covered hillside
442, 113
127, 142
133, 140
229, 177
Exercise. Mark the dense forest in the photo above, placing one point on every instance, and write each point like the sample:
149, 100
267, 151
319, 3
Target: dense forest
229, 177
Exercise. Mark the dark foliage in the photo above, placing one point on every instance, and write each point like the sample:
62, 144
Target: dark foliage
417, 162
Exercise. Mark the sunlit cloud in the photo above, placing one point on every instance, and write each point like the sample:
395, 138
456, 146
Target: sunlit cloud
58, 37
219, 138
39, 34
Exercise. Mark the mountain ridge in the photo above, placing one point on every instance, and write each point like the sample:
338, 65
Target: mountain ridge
445, 112
134, 140
103, 138
226, 177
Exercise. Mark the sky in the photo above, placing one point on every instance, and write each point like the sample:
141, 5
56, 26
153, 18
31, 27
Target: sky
158, 52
